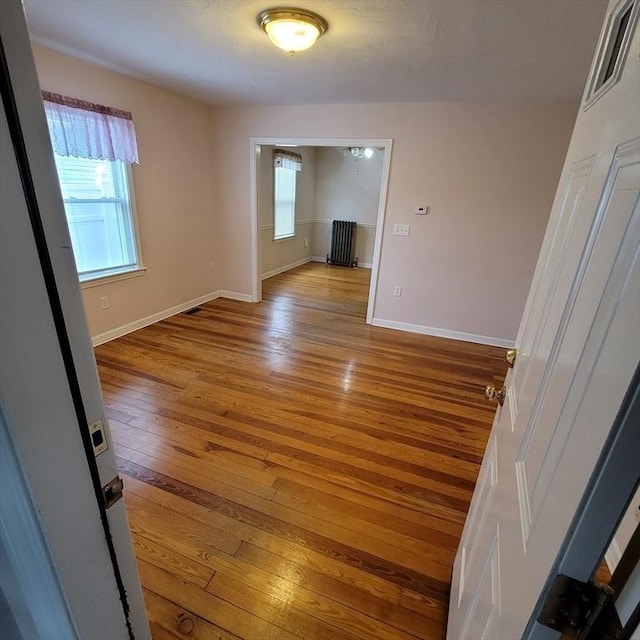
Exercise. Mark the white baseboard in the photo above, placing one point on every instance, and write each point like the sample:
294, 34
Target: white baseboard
286, 267
364, 265
234, 295
442, 333
613, 555
155, 317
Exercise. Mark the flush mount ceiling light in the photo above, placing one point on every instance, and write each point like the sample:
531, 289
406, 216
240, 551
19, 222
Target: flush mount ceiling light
292, 29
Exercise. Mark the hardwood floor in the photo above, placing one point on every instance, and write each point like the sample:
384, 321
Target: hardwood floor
291, 472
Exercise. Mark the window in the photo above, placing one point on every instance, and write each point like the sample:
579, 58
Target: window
285, 166
97, 202
94, 146
284, 207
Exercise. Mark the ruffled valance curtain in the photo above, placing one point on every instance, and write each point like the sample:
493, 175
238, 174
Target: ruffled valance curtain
85, 130
287, 159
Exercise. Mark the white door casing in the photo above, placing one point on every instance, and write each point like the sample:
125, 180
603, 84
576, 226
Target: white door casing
578, 347
255, 147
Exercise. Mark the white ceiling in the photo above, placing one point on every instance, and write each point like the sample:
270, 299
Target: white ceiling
374, 51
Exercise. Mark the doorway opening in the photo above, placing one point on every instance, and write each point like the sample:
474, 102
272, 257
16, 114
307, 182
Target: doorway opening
334, 184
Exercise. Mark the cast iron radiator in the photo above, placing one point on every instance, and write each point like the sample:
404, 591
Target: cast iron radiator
343, 244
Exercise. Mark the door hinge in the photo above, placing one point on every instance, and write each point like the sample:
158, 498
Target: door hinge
112, 491
581, 610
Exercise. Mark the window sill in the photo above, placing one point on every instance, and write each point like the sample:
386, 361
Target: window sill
97, 281
285, 238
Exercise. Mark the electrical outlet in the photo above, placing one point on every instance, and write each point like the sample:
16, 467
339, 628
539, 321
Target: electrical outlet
397, 291
306, 243
104, 302
401, 229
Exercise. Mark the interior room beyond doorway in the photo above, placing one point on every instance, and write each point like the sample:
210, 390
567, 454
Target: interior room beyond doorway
331, 183
334, 180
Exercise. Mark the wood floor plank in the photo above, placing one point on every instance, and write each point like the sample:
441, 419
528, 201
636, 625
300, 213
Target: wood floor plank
168, 620
219, 612
312, 511
272, 426
292, 472
275, 610
330, 507
168, 558
342, 475
392, 563
391, 509
328, 566
282, 582
205, 452
391, 613
158, 632
247, 480
186, 536
423, 605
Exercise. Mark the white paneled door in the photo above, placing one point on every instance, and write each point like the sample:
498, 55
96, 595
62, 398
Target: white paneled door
578, 347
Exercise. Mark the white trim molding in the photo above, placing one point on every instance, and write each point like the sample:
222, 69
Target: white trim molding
442, 333
235, 295
123, 330
114, 277
285, 267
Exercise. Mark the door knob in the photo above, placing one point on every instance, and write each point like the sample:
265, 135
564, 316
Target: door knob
510, 357
491, 394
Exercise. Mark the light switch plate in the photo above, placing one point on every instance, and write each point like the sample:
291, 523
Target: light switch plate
401, 229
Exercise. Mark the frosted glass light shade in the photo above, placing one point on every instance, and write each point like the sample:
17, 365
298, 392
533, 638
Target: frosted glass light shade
292, 29
292, 35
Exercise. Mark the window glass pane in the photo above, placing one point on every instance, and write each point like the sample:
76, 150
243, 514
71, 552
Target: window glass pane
83, 178
99, 236
96, 199
284, 202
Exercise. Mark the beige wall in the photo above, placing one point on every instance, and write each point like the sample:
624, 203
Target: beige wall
173, 186
488, 171
277, 254
346, 189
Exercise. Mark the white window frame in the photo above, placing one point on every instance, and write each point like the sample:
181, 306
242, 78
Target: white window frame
292, 233
94, 278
